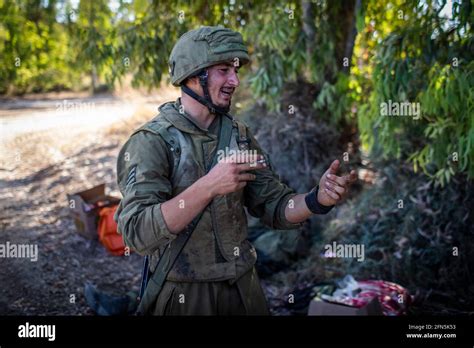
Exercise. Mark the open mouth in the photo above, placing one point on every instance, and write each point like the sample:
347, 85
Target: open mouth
227, 92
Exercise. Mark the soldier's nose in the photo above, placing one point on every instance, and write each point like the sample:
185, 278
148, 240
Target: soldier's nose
233, 80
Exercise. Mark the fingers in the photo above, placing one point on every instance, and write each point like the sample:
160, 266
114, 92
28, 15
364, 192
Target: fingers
335, 188
245, 161
247, 177
331, 194
241, 185
333, 167
341, 181
351, 177
250, 166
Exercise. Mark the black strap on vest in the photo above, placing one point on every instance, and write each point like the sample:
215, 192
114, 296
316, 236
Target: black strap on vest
169, 257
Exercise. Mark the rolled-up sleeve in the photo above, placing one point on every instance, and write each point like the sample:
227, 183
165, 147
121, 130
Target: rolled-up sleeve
143, 179
266, 197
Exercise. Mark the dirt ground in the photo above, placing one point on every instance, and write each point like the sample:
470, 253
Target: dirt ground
38, 169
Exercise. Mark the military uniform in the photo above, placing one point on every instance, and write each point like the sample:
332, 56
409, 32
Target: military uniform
215, 272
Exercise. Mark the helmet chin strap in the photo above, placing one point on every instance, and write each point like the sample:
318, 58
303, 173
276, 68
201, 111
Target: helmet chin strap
206, 100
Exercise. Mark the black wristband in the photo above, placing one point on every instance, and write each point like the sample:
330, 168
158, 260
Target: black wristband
311, 200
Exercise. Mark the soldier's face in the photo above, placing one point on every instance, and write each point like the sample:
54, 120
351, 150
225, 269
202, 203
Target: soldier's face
222, 82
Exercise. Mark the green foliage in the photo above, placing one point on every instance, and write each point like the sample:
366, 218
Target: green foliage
334, 100
275, 35
33, 49
405, 51
94, 36
283, 55
448, 108
427, 60
144, 44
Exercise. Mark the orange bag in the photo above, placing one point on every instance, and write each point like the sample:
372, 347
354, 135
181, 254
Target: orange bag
108, 234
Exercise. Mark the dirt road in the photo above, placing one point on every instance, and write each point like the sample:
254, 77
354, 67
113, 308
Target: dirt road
51, 148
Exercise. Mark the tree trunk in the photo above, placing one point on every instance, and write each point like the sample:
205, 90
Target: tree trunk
94, 79
309, 28
345, 47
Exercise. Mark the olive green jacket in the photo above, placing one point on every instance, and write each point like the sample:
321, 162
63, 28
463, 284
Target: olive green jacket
151, 171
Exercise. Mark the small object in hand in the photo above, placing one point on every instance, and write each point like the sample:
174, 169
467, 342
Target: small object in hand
260, 161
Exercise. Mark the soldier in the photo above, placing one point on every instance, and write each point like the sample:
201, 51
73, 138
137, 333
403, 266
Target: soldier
173, 196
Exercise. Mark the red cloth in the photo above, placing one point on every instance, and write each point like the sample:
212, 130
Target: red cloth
394, 298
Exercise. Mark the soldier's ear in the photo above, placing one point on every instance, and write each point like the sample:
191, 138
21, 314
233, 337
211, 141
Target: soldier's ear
192, 82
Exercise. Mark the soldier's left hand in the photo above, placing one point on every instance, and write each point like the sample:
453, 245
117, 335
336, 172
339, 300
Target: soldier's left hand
333, 188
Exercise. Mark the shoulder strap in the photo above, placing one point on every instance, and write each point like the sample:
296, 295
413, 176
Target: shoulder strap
224, 138
242, 139
173, 144
169, 257
173, 147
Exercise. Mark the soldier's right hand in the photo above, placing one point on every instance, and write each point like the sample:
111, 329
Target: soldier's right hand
231, 173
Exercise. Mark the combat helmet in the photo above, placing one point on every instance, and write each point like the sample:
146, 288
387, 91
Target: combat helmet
199, 49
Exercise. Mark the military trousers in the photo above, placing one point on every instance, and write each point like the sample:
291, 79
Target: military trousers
242, 297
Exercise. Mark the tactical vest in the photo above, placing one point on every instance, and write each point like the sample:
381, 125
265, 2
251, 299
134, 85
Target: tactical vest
218, 248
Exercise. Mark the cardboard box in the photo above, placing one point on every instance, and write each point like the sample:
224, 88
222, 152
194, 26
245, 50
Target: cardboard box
318, 307
84, 207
